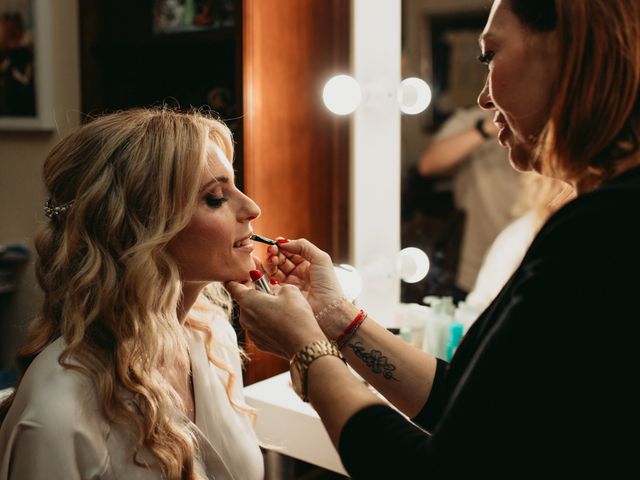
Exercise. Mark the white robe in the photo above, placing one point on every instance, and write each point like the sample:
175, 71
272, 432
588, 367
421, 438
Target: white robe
55, 430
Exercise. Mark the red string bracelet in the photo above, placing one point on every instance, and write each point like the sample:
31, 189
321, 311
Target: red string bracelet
351, 329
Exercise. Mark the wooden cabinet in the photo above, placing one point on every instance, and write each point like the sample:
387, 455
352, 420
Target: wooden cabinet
296, 152
125, 64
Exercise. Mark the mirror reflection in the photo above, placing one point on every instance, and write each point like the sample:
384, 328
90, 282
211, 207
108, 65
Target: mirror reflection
459, 190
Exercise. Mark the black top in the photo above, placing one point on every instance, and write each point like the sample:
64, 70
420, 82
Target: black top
544, 383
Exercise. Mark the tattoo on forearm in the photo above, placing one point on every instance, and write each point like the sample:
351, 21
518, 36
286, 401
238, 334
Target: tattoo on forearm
377, 362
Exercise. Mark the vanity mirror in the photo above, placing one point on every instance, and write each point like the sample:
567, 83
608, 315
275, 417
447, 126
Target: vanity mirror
455, 200
435, 40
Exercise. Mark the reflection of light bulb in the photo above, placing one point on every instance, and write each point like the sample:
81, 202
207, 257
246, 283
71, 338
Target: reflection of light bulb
342, 94
413, 264
350, 280
414, 95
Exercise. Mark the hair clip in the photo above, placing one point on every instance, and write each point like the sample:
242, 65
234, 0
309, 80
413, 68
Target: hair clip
52, 211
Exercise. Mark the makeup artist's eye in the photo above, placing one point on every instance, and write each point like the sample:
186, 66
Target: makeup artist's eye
486, 57
214, 202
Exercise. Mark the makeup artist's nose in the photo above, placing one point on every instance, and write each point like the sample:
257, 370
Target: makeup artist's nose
249, 209
484, 99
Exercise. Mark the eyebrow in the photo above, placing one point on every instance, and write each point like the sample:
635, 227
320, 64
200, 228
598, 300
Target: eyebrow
222, 179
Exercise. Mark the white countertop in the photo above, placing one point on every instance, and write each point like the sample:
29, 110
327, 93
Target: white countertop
290, 426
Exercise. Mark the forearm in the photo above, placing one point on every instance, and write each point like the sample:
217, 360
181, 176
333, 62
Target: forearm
402, 373
337, 394
443, 155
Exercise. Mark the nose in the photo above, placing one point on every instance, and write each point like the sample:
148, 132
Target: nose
249, 210
484, 99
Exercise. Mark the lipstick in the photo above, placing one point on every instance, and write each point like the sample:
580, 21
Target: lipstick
260, 281
261, 239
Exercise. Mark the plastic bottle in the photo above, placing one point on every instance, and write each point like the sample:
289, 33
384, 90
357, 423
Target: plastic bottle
437, 328
189, 13
455, 335
466, 314
412, 319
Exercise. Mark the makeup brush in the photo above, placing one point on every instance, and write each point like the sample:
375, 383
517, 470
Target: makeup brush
261, 239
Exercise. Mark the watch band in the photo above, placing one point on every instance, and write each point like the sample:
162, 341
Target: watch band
305, 357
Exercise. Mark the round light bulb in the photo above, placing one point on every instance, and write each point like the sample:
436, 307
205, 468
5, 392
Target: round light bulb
342, 94
414, 95
350, 280
413, 264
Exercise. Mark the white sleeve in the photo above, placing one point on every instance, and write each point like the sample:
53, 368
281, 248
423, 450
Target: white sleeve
57, 451
502, 259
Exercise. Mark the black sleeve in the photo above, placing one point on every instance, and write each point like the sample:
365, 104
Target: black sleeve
378, 442
381, 432
430, 413
547, 381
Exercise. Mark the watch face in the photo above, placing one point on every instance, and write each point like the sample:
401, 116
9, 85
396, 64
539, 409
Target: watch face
296, 378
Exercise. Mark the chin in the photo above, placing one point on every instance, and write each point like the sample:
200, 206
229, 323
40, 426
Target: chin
243, 277
237, 273
241, 274
520, 159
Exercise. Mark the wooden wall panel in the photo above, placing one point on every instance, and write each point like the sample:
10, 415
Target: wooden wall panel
295, 151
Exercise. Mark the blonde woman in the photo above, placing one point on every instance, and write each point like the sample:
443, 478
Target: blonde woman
132, 369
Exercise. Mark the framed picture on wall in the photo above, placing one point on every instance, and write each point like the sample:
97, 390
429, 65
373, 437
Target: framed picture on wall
450, 50
176, 16
25, 65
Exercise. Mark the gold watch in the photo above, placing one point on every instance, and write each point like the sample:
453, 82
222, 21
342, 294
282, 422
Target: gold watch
299, 364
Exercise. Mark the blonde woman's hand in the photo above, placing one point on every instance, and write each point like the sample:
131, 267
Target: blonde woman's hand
301, 263
281, 323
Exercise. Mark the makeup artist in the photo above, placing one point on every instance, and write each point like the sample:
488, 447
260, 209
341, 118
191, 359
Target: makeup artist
544, 382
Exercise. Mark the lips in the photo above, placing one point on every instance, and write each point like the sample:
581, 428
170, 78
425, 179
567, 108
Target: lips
503, 129
243, 242
499, 121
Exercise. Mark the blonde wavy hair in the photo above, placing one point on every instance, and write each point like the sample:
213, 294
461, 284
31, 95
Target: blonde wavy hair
111, 289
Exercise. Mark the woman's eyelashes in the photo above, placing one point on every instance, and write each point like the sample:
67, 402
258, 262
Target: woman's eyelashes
486, 57
214, 201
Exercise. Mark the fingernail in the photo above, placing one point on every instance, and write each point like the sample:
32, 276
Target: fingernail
273, 281
282, 240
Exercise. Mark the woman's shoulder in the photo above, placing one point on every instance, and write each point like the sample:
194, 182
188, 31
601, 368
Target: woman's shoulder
606, 206
599, 219
54, 422
53, 396
619, 195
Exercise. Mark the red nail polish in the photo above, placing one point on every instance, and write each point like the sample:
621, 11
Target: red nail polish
282, 240
273, 281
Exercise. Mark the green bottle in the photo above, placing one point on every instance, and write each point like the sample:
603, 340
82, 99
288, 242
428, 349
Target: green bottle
189, 12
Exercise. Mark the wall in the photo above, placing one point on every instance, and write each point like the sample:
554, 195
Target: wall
375, 156
21, 157
295, 151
